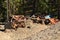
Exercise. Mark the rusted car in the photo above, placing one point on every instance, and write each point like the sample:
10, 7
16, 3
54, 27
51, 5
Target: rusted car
18, 21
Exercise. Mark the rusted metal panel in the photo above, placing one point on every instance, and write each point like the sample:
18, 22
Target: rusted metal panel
19, 21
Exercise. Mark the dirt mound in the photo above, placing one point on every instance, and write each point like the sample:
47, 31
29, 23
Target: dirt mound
21, 33
36, 32
52, 33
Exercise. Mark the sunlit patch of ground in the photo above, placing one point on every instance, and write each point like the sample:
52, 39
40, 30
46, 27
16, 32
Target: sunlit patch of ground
35, 32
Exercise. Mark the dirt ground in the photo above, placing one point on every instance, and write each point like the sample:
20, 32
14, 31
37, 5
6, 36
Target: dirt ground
51, 33
21, 33
36, 32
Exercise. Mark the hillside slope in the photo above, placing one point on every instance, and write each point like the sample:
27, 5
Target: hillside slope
52, 33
